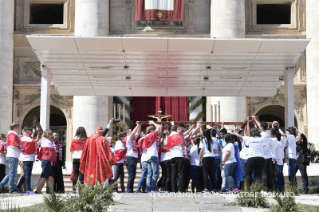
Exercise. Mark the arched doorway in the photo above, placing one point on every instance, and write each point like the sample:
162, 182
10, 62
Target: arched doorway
274, 113
57, 120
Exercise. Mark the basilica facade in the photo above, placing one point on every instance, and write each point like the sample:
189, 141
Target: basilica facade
21, 70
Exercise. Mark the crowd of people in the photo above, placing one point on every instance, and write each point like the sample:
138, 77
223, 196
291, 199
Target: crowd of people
214, 159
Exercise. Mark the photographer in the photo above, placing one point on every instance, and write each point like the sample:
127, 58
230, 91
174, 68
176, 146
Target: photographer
302, 160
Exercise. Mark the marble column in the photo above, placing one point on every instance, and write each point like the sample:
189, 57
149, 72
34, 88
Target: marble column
45, 98
91, 19
312, 8
6, 61
289, 97
228, 21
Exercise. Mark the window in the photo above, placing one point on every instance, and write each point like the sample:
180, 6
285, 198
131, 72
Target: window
46, 13
274, 14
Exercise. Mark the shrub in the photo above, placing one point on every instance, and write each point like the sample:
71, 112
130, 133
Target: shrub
53, 202
314, 187
313, 152
251, 197
286, 203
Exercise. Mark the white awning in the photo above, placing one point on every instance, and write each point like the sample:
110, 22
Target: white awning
136, 66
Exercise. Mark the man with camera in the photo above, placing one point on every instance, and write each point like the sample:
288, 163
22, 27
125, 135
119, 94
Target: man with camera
302, 159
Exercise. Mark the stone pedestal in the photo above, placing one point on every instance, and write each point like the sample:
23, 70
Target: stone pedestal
91, 19
228, 21
6, 61
312, 8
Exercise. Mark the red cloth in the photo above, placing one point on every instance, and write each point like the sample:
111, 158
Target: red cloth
29, 145
3, 147
175, 106
159, 15
150, 139
119, 155
174, 140
77, 145
95, 158
13, 139
47, 151
140, 144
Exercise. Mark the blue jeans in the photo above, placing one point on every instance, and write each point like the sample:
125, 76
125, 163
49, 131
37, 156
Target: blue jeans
229, 174
280, 182
131, 163
216, 170
292, 171
143, 175
195, 172
28, 165
152, 174
224, 186
13, 168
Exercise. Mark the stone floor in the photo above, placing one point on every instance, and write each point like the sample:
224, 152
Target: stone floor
163, 202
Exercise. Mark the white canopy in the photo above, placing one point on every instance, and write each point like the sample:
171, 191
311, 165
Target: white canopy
140, 66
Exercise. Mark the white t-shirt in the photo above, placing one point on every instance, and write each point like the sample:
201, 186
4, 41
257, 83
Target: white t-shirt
177, 151
2, 160
194, 156
256, 146
165, 156
229, 147
12, 153
266, 136
77, 154
152, 151
273, 147
203, 145
130, 148
280, 150
144, 155
291, 147
244, 150
119, 145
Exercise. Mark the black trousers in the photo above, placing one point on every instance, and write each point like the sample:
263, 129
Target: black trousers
187, 173
2, 171
208, 170
58, 177
254, 164
76, 172
178, 174
304, 176
161, 182
167, 167
267, 175
120, 174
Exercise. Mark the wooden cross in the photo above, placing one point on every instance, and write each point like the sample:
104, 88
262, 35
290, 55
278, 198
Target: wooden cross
159, 117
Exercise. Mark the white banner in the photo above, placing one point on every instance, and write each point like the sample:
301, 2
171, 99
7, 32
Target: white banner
167, 5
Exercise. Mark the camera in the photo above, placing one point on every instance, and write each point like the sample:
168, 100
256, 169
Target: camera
115, 121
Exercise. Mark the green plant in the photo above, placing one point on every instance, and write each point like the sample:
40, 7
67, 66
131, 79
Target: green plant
91, 198
314, 187
251, 197
286, 202
313, 152
53, 202
8, 206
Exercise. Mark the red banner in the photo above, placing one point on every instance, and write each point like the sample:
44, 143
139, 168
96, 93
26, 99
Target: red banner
159, 10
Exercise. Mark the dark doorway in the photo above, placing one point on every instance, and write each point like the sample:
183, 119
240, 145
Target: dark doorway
274, 14
46, 13
274, 113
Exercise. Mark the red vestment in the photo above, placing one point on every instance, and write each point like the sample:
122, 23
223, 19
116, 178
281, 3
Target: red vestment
175, 139
95, 160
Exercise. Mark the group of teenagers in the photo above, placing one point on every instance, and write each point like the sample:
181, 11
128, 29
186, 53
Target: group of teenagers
21, 150
215, 160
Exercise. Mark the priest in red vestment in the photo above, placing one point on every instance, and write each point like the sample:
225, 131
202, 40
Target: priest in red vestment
96, 159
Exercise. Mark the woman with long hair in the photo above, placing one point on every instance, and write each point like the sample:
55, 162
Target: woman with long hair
164, 184
195, 169
47, 155
207, 158
76, 148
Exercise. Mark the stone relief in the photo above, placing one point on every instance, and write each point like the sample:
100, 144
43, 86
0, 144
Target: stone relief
31, 69
303, 94
256, 103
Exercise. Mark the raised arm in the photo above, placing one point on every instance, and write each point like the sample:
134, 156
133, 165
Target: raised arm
106, 130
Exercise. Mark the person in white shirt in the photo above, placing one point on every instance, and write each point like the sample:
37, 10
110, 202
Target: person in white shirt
229, 163
152, 144
164, 183
119, 155
142, 182
267, 174
195, 169
256, 159
76, 149
131, 156
208, 148
280, 156
272, 148
291, 153
3, 152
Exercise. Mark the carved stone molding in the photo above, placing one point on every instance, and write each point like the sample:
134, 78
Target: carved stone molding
31, 69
